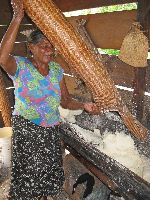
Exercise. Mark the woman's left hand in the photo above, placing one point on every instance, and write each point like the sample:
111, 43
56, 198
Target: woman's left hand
91, 108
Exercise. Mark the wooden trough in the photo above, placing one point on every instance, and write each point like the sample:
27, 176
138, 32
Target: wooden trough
117, 177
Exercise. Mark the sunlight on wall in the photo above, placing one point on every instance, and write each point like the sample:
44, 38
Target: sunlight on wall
129, 6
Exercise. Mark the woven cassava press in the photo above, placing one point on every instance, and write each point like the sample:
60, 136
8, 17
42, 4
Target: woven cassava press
134, 49
4, 103
82, 60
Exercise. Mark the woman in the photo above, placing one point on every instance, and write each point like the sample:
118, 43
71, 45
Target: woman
40, 88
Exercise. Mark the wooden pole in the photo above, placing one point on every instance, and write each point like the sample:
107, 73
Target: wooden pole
139, 83
4, 102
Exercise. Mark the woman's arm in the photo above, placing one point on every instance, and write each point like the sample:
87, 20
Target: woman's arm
6, 60
68, 102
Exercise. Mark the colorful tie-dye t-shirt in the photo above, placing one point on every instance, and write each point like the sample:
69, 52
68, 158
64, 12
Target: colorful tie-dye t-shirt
37, 97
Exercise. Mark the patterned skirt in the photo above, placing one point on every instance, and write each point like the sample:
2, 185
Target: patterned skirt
36, 161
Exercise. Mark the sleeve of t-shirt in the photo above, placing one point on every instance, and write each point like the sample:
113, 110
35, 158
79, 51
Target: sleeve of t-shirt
59, 71
20, 61
60, 75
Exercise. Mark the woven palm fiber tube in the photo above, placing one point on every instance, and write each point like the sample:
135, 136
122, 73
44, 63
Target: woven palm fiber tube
83, 61
4, 103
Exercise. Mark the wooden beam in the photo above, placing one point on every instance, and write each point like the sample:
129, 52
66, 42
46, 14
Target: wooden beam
140, 73
71, 5
107, 30
147, 79
143, 14
138, 94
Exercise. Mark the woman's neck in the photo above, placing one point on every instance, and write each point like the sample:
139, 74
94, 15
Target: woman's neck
43, 68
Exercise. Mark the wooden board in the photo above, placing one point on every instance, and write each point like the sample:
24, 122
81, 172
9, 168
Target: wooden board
106, 30
64, 5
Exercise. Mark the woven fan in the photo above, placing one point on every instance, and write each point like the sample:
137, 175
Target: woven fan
134, 49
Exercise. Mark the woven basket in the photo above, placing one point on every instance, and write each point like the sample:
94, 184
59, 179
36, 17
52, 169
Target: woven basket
134, 49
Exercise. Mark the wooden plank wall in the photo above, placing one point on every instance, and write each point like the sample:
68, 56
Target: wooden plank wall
106, 30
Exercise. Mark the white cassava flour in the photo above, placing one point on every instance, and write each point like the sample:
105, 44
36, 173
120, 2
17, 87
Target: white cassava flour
119, 146
68, 115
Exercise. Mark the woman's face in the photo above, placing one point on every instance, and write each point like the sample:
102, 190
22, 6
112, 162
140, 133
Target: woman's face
42, 51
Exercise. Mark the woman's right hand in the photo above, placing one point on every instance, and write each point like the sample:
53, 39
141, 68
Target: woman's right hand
18, 8
6, 60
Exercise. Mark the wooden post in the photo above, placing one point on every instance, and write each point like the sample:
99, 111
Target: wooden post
4, 103
139, 83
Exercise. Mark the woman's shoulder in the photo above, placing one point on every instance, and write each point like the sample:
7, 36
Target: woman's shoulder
20, 60
55, 66
56, 70
21, 65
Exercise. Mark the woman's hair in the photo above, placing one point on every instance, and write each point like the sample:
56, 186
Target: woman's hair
35, 37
